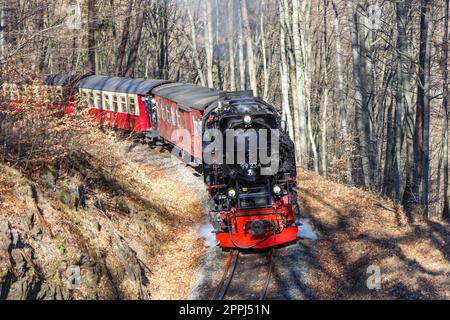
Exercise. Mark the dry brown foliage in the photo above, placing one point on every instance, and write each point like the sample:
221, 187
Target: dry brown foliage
358, 229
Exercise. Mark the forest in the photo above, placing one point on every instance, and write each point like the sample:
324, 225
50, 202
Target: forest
362, 86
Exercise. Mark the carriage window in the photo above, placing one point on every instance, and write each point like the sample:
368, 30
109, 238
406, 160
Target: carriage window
197, 127
174, 117
91, 100
178, 118
163, 113
123, 104
168, 113
132, 106
115, 103
158, 111
107, 102
84, 98
99, 101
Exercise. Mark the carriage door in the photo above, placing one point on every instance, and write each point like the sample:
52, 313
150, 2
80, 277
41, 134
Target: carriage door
198, 135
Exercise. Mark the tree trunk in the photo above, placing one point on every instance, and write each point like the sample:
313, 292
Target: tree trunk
388, 181
123, 43
209, 44
403, 85
300, 125
342, 98
409, 196
250, 53
92, 26
195, 54
362, 113
264, 58
421, 129
446, 210
129, 71
231, 46
242, 69
426, 108
284, 71
2, 32
325, 92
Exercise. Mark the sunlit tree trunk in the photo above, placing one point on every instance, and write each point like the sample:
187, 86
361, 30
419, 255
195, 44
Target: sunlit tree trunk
193, 41
231, 46
91, 36
2, 31
250, 50
300, 125
209, 44
242, 69
284, 71
264, 58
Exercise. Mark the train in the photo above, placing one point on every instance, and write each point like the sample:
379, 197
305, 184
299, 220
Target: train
252, 204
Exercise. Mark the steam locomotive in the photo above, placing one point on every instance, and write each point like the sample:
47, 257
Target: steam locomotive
247, 159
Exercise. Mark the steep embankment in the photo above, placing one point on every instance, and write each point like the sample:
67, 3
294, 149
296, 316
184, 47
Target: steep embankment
105, 210
357, 229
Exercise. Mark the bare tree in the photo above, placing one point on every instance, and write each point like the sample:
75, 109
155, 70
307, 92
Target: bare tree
232, 45
362, 114
300, 125
125, 35
242, 69
209, 44
129, 70
193, 41
284, 70
341, 92
2, 31
250, 51
92, 26
445, 39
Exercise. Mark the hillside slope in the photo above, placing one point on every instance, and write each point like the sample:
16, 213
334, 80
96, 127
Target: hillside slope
105, 211
357, 229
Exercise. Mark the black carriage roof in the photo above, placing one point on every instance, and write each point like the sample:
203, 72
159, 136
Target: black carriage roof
188, 95
120, 85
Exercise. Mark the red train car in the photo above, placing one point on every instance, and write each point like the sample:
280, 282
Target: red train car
180, 110
121, 103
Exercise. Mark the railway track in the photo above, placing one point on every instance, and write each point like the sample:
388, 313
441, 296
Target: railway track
231, 266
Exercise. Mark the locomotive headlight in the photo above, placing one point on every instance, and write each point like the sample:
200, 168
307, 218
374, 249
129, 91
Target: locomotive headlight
277, 190
232, 193
248, 119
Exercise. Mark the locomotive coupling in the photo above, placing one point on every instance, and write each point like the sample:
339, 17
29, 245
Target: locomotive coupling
258, 227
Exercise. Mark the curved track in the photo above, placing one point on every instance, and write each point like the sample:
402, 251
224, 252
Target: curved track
230, 269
